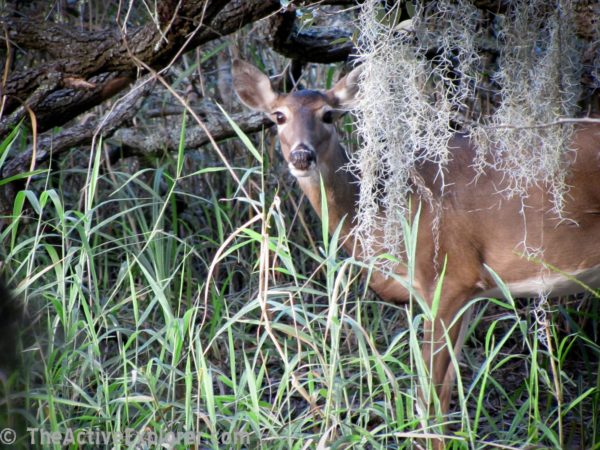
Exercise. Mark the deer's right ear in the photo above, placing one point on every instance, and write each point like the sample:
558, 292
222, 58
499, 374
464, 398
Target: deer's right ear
252, 86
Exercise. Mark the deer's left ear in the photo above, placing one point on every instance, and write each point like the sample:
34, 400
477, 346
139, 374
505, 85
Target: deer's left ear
344, 92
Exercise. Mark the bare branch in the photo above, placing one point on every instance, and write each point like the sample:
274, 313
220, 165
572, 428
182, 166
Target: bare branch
105, 61
50, 146
322, 45
559, 121
155, 141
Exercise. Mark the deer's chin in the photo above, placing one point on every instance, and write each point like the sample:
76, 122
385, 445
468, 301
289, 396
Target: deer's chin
310, 172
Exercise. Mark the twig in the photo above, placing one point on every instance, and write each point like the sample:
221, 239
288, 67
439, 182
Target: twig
559, 121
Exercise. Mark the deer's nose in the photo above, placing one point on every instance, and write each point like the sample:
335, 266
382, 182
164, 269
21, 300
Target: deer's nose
303, 157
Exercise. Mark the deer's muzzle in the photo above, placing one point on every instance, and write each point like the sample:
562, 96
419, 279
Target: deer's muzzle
303, 158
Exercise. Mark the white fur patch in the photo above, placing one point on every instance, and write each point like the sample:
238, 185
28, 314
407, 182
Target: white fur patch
552, 283
311, 172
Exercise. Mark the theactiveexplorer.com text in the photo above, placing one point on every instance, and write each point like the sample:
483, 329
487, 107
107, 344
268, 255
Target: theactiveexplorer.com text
39, 436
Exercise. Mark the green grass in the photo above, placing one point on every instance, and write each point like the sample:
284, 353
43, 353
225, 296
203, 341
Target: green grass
173, 299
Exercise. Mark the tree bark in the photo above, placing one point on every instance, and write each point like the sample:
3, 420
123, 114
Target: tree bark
84, 68
323, 45
157, 140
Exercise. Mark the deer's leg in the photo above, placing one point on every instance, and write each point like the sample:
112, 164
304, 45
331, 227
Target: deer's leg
447, 388
441, 336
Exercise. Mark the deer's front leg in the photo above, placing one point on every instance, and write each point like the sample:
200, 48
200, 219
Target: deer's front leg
443, 335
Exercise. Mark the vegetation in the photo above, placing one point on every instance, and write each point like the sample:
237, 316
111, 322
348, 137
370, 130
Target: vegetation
193, 290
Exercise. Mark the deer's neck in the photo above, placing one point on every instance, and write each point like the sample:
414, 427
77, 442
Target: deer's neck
341, 189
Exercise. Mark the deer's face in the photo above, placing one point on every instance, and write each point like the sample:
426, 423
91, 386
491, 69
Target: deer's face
305, 125
305, 119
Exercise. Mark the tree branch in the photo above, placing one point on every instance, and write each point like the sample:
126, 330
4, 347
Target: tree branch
322, 45
102, 59
104, 62
50, 146
155, 141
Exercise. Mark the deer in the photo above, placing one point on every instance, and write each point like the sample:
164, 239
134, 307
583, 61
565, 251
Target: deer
479, 228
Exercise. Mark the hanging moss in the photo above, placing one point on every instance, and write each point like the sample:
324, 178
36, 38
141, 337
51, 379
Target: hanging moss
427, 78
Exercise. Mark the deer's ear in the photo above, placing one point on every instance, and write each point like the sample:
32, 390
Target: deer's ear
344, 92
252, 86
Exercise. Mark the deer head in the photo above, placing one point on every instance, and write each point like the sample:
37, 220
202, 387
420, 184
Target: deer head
305, 119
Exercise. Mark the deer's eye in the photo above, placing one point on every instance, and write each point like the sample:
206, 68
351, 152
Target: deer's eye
328, 117
279, 117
